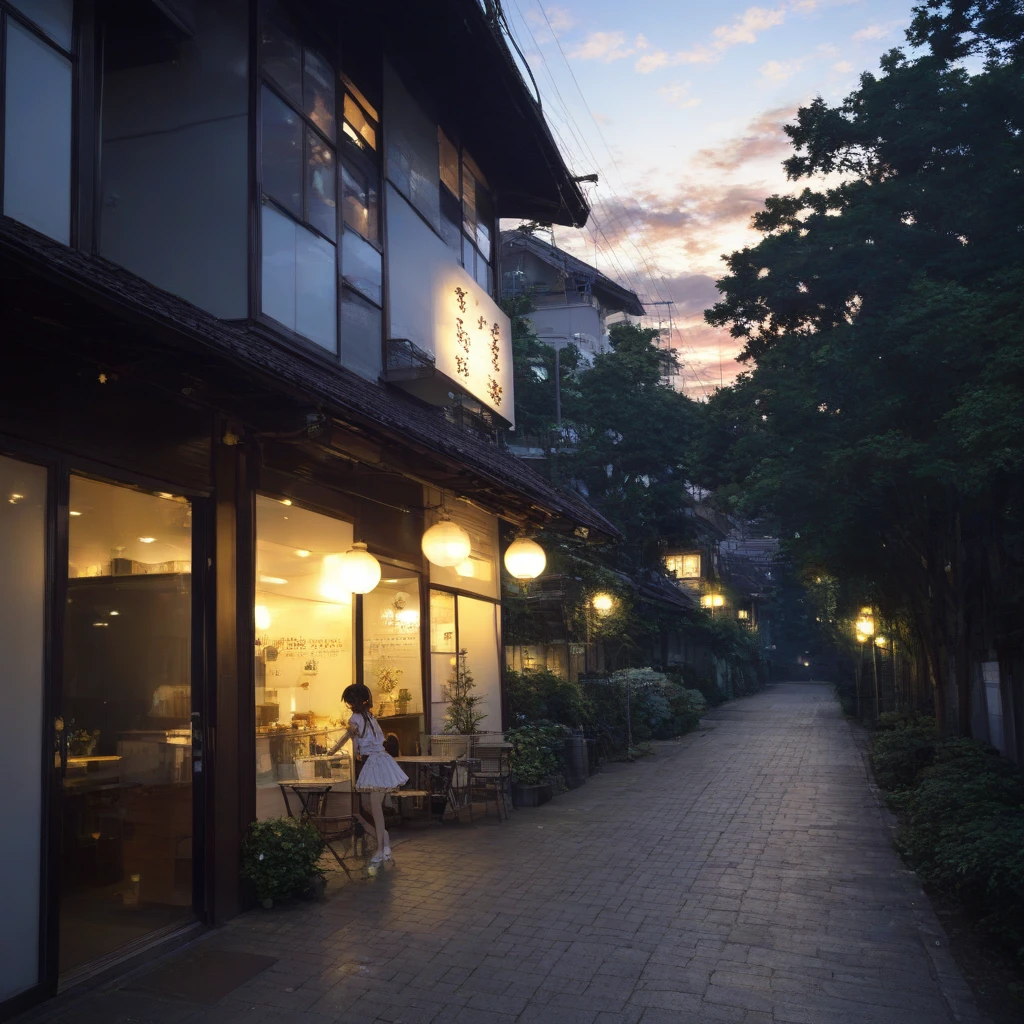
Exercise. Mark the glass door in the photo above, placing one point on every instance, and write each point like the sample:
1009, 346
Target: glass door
23, 632
126, 794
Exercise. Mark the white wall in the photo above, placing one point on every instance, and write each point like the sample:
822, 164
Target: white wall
175, 165
423, 277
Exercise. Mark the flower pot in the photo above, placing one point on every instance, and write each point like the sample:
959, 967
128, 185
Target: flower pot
530, 796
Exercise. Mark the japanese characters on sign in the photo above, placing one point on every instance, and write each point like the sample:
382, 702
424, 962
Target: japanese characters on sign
478, 350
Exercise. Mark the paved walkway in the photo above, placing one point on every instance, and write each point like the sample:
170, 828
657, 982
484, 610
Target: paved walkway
742, 874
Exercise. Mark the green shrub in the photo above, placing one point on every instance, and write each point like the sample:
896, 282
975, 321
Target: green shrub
537, 751
962, 830
899, 753
540, 695
280, 857
687, 676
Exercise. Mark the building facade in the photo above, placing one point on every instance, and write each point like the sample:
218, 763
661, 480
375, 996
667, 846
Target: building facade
572, 302
250, 321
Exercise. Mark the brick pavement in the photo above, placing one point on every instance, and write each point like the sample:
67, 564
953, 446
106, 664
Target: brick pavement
742, 874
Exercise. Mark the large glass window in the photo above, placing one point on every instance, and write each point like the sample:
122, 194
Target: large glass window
392, 658
126, 841
37, 116
23, 613
304, 647
467, 211
298, 167
467, 628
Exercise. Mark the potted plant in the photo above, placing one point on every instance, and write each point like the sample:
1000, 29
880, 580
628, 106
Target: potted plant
402, 702
534, 762
461, 716
281, 857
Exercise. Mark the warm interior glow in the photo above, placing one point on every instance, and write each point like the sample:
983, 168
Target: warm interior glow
712, 601
262, 617
743, 614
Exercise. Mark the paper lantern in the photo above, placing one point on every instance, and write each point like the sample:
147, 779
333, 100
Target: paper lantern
446, 544
603, 603
355, 572
525, 559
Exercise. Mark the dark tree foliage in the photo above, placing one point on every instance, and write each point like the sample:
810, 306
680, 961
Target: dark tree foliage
883, 312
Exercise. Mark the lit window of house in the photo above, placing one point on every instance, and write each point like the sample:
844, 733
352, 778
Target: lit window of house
683, 567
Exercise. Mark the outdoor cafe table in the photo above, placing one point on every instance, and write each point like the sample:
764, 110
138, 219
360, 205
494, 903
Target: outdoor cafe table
441, 773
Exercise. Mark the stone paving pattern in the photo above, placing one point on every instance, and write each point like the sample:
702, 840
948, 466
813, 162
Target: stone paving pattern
743, 874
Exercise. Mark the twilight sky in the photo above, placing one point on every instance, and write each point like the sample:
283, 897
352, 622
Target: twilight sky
686, 104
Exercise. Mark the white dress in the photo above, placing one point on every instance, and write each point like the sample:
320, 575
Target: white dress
380, 770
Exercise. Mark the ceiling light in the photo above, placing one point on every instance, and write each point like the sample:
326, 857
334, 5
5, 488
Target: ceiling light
74, 513
272, 579
113, 613
147, 540
286, 501
101, 623
302, 553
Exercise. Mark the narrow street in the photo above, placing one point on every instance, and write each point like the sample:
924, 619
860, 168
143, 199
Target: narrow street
744, 873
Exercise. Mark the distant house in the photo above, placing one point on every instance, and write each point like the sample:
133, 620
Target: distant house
573, 301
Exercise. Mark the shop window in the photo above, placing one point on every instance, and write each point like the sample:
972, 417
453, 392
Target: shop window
304, 651
23, 611
392, 658
460, 624
126, 797
36, 150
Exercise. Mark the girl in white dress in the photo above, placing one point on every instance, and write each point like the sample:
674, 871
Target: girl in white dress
380, 772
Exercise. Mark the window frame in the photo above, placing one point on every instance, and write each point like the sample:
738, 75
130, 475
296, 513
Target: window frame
346, 153
9, 11
465, 238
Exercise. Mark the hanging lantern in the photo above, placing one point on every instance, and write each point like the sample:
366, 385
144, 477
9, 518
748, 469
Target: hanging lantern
525, 559
603, 603
355, 572
446, 543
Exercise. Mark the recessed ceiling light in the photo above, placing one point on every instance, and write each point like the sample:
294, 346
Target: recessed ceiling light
15, 498
302, 553
147, 540
101, 623
74, 513
164, 494
286, 501
113, 613
272, 579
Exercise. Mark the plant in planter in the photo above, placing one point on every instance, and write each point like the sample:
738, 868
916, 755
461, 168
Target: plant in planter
461, 715
402, 702
535, 761
281, 858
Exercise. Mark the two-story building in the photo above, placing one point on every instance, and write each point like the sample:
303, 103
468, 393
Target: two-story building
573, 302
248, 305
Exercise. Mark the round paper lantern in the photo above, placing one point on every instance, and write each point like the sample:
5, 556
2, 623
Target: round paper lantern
358, 570
355, 572
525, 559
446, 544
603, 603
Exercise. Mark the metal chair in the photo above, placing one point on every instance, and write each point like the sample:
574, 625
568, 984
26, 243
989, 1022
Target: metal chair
493, 779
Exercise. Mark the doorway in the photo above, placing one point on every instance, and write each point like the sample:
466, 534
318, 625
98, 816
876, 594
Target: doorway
126, 795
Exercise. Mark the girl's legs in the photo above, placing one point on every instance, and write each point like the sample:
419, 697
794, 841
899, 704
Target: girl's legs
365, 821
379, 832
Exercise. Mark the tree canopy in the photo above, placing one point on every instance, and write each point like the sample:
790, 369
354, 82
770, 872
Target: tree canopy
882, 313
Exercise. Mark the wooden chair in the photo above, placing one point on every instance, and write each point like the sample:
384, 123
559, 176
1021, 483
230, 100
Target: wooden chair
493, 779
